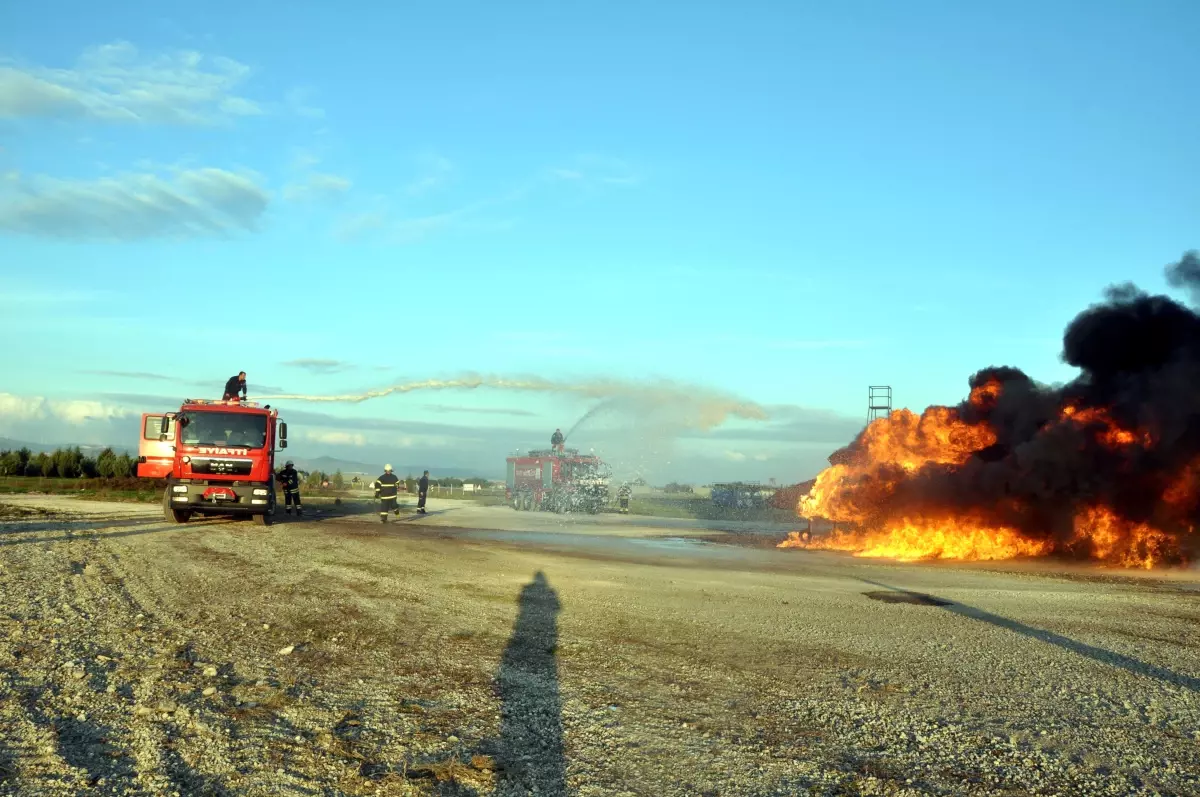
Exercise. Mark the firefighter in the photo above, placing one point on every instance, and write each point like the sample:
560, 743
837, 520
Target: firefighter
235, 385
623, 498
557, 440
290, 480
385, 491
422, 491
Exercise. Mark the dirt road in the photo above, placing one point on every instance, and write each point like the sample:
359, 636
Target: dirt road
344, 656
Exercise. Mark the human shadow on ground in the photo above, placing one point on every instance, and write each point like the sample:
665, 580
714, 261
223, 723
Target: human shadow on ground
530, 748
1102, 655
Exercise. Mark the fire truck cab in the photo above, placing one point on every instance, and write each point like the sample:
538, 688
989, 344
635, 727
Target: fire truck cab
550, 481
218, 457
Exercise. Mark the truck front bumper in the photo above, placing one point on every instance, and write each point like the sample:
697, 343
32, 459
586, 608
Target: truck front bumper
240, 497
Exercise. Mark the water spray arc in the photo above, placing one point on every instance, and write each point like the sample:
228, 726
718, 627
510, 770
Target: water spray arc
693, 406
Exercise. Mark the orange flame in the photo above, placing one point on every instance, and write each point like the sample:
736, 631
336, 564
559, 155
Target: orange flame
889, 449
928, 538
1119, 542
1112, 434
892, 449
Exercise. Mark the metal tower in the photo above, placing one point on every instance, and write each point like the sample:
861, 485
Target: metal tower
879, 402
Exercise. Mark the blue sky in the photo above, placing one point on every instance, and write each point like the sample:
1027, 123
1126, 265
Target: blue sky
787, 202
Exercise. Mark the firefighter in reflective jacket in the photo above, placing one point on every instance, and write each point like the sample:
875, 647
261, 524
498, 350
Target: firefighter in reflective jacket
385, 491
623, 498
290, 479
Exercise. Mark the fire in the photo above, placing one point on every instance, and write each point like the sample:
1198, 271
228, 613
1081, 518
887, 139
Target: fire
938, 435
1119, 542
1110, 432
908, 539
865, 490
1105, 467
889, 450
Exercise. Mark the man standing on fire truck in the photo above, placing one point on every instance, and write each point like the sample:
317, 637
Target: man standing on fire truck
385, 491
290, 480
557, 440
235, 385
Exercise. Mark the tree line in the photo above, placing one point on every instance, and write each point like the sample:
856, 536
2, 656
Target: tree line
67, 463
72, 463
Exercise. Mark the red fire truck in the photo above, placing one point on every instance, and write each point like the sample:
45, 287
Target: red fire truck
217, 457
550, 481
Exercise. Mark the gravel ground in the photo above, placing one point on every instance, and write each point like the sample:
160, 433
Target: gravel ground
343, 656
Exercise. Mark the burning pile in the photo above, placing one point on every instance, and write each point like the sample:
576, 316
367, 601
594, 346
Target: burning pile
1105, 468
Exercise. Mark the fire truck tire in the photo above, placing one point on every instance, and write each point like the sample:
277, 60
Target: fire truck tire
268, 517
172, 514
527, 502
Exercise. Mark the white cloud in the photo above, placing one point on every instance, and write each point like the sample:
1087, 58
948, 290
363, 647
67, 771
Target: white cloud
595, 171
116, 83
589, 174
304, 159
297, 101
740, 456
73, 411
328, 437
192, 203
316, 186
434, 172
19, 408
398, 231
320, 366
359, 224
432, 441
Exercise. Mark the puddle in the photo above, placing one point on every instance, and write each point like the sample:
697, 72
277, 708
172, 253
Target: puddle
888, 596
608, 544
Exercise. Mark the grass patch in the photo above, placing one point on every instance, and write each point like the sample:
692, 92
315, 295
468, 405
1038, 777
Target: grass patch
140, 491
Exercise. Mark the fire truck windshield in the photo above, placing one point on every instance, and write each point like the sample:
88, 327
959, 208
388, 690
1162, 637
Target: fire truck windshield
224, 429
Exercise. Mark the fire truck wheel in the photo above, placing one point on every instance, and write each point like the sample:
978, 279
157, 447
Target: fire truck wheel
263, 519
172, 514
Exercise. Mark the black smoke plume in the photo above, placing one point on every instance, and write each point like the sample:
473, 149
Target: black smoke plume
1139, 362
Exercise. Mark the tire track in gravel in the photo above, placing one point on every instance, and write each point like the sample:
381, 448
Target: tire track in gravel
52, 672
105, 706
268, 750
184, 732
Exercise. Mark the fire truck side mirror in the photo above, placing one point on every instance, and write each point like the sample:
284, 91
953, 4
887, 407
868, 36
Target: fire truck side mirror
283, 435
164, 425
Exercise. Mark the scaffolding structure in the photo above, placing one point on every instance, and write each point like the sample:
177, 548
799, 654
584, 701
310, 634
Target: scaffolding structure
879, 402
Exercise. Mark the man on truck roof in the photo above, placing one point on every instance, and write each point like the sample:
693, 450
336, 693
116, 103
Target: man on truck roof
557, 440
235, 385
